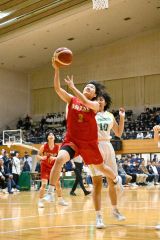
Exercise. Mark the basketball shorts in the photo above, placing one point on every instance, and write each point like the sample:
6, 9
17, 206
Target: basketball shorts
45, 171
109, 158
89, 151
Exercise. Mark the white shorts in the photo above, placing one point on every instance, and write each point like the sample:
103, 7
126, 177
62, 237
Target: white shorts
109, 158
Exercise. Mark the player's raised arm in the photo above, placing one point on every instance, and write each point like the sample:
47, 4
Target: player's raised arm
118, 128
65, 96
25, 146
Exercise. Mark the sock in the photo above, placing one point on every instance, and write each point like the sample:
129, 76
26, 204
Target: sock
60, 198
98, 213
114, 207
51, 189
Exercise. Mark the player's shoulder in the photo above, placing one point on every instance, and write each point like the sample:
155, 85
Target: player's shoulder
109, 114
44, 145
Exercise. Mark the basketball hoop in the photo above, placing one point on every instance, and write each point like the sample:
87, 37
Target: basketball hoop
100, 4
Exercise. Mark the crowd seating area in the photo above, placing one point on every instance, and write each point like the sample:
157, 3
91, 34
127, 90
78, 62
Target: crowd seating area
140, 126
34, 131
136, 126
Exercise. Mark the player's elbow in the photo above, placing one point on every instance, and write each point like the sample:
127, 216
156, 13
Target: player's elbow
118, 134
58, 90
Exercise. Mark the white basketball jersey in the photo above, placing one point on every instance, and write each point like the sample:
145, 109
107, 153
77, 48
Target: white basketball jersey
105, 124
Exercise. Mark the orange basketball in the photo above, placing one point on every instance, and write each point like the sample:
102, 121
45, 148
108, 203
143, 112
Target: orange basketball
63, 56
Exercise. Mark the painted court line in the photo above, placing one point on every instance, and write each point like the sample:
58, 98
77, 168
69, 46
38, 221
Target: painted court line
48, 214
71, 226
74, 211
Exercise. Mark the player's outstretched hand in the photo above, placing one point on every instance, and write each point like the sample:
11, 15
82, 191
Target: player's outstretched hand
69, 82
156, 128
122, 112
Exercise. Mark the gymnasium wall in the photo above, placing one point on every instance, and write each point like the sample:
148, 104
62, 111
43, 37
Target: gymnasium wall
130, 68
14, 96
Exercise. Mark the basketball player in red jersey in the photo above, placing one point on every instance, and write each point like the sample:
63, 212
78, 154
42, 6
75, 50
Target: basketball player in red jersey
47, 154
82, 134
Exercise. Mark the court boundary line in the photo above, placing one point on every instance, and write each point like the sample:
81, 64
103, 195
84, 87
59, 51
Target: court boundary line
81, 225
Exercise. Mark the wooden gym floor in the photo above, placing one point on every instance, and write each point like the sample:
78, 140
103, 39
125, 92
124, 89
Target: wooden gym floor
21, 219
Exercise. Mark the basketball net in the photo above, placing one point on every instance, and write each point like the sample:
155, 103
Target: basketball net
100, 4
9, 144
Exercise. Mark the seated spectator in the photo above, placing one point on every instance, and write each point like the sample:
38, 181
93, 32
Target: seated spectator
153, 170
148, 135
125, 177
144, 170
138, 158
133, 159
151, 166
8, 177
140, 135
140, 176
128, 170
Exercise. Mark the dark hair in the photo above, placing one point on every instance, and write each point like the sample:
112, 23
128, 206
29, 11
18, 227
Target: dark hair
47, 134
107, 99
98, 86
12, 154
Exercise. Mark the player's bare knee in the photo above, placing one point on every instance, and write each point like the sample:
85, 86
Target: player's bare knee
59, 161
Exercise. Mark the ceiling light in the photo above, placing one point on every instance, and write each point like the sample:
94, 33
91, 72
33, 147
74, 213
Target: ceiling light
71, 39
21, 56
127, 19
3, 14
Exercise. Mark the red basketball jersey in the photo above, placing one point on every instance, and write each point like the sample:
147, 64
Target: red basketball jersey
49, 153
81, 123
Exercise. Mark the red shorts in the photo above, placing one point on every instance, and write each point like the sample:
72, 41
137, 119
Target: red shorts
46, 167
88, 151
